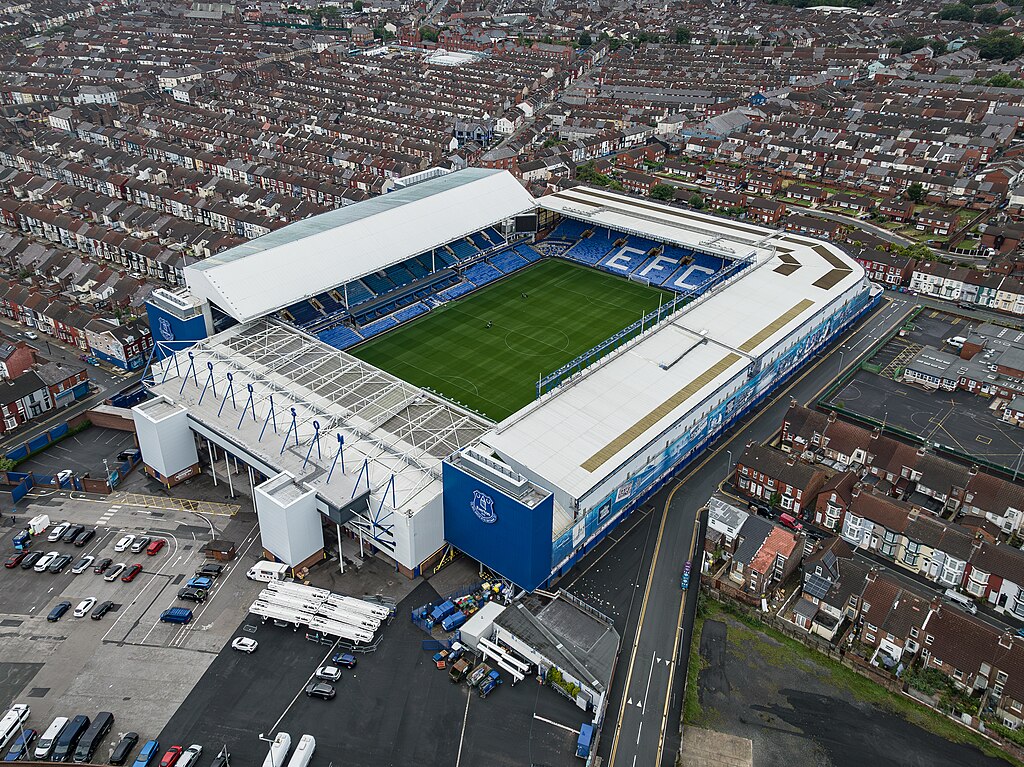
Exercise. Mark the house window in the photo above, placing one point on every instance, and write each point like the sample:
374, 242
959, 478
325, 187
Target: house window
786, 502
958, 674
913, 632
870, 637
1001, 677
936, 661
928, 639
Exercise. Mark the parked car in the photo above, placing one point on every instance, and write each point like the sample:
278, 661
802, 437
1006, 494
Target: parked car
129, 576
85, 606
30, 560
57, 532
190, 756
83, 564
31, 336
124, 748
102, 609
45, 560
102, 565
344, 659
140, 543
19, 749
128, 455
84, 537
154, 548
170, 758
58, 564
201, 582
221, 759
71, 533
210, 571
244, 644
192, 594
124, 543
58, 611
147, 753
328, 673
114, 572
320, 690
15, 559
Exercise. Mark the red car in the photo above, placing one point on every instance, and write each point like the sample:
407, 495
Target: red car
171, 756
128, 577
155, 546
15, 559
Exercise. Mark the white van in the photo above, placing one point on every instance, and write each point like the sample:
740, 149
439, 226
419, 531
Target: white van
49, 739
962, 601
267, 571
956, 342
303, 752
278, 750
11, 723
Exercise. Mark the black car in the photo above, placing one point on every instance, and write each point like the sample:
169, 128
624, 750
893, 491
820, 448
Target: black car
58, 611
192, 594
124, 748
210, 571
320, 690
60, 563
30, 559
128, 455
71, 533
221, 759
102, 565
84, 537
101, 609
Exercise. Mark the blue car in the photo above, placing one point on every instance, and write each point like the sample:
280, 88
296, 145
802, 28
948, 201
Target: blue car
201, 582
58, 611
20, 748
147, 754
344, 659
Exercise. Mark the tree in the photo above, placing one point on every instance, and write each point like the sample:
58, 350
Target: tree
999, 45
357, 6
696, 201
614, 44
958, 12
990, 15
428, 34
683, 35
663, 192
915, 193
585, 40
380, 33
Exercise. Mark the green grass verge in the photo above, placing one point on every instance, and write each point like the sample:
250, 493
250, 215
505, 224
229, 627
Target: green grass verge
569, 309
693, 712
779, 649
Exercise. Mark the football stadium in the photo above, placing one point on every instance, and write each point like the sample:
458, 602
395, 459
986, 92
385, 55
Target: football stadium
458, 365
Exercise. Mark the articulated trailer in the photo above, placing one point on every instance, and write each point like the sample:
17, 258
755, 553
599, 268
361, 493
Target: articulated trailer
351, 618
299, 590
360, 605
278, 613
342, 630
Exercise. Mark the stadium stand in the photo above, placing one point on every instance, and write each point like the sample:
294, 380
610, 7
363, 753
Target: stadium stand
445, 258
507, 261
493, 236
379, 284
481, 273
463, 249
527, 252
330, 304
304, 313
399, 275
480, 241
358, 293
340, 337
592, 249
568, 230
378, 326
415, 310
458, 290
416, 267
624, 259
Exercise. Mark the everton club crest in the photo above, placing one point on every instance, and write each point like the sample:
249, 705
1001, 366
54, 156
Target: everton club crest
483, 506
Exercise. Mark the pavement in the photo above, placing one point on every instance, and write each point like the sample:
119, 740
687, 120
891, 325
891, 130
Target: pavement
643, 585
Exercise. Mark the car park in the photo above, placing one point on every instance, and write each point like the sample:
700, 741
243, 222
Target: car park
84, 607
320, 690
58, 611
30, 560
124, 543
83, 564
124, 748
190, 756
57, 532
45, 560
139, 544
154, 548
210, 571
244, 644
344, 659
19, 749
170, 758
147, 753
84, 537
71, 533
102, 566
129, 576
114, 573
328, 673
102, 609
58, 564
15, 559
192, 594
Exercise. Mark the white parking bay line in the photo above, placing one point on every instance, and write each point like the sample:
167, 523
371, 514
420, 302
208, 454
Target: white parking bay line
556, 724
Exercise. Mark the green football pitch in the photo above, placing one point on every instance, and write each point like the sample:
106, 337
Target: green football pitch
568, 309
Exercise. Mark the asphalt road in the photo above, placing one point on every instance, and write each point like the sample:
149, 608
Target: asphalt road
642, 721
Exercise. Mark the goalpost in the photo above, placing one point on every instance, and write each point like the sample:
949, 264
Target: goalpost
637, 278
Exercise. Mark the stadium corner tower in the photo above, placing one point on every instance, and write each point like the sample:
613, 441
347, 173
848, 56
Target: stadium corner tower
258, 380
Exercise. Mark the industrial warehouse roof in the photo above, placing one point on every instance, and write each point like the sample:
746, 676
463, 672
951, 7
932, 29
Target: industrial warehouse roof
322, 252
580, 434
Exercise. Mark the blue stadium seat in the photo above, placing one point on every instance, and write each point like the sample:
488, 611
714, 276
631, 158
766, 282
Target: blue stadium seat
340, 337
623, 259
527, 252
568, 229
463, 250
358, 293
594, 248
410, 311
493, 236
329, 303
507, 261
481, 273
418, 270
480, 241
304, 313
458, 290
399, 275
378, 284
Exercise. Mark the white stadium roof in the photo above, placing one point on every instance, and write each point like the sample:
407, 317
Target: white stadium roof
322, 252
578, 435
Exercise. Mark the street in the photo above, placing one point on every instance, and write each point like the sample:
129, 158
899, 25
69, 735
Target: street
643, 714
